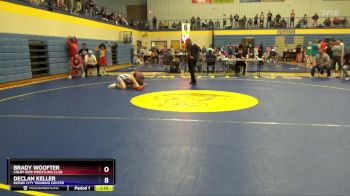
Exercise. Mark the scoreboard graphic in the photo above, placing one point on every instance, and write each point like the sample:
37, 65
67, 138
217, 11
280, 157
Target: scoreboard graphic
61, 174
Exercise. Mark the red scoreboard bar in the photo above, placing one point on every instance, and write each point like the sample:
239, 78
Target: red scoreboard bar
61, 174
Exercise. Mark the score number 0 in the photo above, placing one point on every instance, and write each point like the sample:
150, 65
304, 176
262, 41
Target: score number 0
106, 170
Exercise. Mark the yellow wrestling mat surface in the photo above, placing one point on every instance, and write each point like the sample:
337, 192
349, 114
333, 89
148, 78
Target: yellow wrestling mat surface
194, 101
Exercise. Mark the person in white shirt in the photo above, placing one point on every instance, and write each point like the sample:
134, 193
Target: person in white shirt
91, 62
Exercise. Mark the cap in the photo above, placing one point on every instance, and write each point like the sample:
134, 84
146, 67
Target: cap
90, 52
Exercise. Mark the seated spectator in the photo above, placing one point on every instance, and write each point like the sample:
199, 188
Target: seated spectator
314, 19
83, 51
91, 62
76, 63
166, 25
327, 22
283, 23
174, 26
322, 61
210, 59
346, 65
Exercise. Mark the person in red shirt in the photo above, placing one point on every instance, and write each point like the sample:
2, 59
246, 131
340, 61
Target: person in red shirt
76, 63
72, 44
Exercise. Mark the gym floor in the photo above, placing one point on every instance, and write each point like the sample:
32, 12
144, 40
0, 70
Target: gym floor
294, 141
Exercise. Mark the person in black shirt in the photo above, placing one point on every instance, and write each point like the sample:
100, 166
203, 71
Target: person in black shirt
211, 59
315, 18
84, 50
192, 56
346, 65
242, 63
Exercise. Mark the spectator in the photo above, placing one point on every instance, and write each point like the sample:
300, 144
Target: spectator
193, 22
231, 21
210, 59
327, 22
72, 44
76, 63
315, 19
102, 61
284, 23
304, 21
250, 23
236, 17
346, 65
70, 6
256, 21
174, 26
322, 61
91, 62
329, 49
269, 19
278, 18
241, 63
154, 21
83, 51
243, 22
61, 4
224, 22
262, 17
292, 17
198, 23
78, 7
338, 50
260, 53
309, 61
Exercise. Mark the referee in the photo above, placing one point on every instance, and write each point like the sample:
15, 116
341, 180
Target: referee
192, 56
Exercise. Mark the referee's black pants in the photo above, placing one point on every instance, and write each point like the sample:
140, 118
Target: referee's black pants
191, 67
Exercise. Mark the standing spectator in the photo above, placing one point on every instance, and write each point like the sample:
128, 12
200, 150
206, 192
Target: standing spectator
262, 17
102, 61
192, 55
75, 63
72, 44
154, 21
314, 19
346, 65
329, 49
236, 17
292, 17
241, 63
210, 59
224, 22
278, 18
78, 7
269, 19
256, 21
309, 61
231, 21
198, 22
91, 62
61, 4
260, 53
70, 6
193, 22
322, 61
243, 22
250, 23
338, 50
